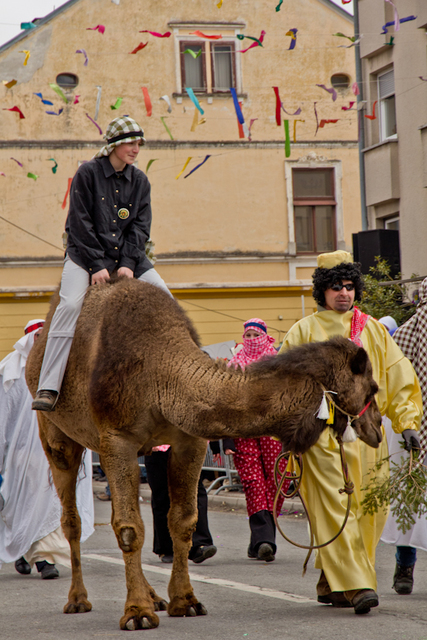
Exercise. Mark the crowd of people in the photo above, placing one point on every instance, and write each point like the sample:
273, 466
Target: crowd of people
108, 226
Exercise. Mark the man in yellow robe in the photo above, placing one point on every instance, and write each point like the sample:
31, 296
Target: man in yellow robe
347, 565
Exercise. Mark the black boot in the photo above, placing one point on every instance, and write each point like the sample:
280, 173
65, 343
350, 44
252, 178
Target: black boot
403, 579
22, 566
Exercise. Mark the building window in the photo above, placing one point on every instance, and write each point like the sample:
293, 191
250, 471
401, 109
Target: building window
67, 80
387, 106
392, 223
340, 81
314, 210
213, 70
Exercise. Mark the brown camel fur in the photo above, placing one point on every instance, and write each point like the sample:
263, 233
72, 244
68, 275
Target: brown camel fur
136, 378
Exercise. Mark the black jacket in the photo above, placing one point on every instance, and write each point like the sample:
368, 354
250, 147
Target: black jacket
109, 218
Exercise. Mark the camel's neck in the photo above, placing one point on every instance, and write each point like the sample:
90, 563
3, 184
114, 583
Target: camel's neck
213, 402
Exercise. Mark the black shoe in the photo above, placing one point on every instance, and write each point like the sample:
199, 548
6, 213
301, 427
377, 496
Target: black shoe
47, 571
45, 400
203, 553
166, 558
252, 554
22, 566
403, 579
364, 600
266, 552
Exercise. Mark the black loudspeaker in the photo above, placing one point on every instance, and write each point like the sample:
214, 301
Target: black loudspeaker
377, 242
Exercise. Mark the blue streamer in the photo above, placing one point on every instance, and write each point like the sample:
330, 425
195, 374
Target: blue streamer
194, 99
239, 113
195, 168
39, 95
391, 24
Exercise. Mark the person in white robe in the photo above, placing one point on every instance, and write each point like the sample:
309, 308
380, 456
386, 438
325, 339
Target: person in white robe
30, 510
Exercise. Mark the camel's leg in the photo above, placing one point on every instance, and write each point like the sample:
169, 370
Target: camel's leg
120, 463
185, 463
64, 457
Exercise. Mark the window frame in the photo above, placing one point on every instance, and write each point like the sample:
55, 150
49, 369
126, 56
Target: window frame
312, 202
381, 107
212, 46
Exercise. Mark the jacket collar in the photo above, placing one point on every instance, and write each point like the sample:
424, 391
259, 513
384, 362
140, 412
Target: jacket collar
110, 171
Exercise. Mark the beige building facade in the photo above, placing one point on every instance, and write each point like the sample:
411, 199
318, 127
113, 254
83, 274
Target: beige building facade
394, 73
238, 237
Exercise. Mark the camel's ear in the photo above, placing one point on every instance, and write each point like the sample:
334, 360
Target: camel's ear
360, 360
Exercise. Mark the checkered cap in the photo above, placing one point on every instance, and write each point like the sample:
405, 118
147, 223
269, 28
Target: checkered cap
116, 134
412, 339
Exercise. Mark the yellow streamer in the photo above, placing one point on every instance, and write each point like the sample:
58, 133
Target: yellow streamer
219, 5
27, 55
295, 128
184, 167
195, 120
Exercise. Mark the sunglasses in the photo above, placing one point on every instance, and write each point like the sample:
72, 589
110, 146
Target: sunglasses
339, 287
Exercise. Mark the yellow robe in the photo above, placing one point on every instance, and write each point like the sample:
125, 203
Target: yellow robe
349, 562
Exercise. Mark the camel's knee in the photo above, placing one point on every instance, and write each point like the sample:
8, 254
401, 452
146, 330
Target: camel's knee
129, 539
71, 526
62, 455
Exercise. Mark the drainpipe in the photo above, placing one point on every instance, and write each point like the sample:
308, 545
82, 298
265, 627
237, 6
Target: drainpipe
360, 122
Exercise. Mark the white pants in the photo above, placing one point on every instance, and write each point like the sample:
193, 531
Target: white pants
74, 284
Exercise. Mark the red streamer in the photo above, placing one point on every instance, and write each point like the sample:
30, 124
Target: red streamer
203, 35
147, 101
373, 116
18, 110
323, 122
278, 107
64, 204
157, 35
139, 47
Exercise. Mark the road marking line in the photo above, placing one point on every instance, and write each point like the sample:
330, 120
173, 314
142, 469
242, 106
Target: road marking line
229, 584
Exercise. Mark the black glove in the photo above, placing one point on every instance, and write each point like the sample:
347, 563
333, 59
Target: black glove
412, 441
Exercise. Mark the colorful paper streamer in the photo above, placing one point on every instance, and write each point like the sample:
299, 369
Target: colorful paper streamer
293, 34
162, 118
2, 174
149, 163
279, 5
258, 43
117, 104
373, 116
59, 91
396, 16
237, 108
53, 113
98, 101
168, 102
329, 121
27, 55
219, 5
193, 53
139, 47
54, 168
295, 128
241, 37
39, 95
197, 167
287, 139
99, 27
64, 202
27, 25
184, 167
85, 55
278, 107
157, 35
251, 121
17, 110
295, 113
193, 99
355, 89
9, 84
203, 35
331, 91
76, 99
350, 106
401, 21
17, 161
147, 100
342, 35
95, 123
33, 176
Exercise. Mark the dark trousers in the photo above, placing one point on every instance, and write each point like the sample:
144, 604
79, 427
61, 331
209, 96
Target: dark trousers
157, 475
406, 556
262, 529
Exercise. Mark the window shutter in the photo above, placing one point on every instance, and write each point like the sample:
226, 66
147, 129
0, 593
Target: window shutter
386, 84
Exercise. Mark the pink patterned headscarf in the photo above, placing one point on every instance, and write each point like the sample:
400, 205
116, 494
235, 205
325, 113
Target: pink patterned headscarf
254, 348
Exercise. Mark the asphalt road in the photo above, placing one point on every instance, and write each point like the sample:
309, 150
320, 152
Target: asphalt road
246, 599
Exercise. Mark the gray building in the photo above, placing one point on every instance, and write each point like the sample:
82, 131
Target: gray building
394, 91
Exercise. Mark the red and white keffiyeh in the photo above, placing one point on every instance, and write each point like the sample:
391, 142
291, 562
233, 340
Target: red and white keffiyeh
358, 323
254, 348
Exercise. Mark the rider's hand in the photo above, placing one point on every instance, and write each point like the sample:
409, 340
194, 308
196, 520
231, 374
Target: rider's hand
412, 440
125, 271
100, 277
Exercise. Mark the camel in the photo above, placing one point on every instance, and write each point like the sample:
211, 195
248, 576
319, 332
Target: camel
136, 378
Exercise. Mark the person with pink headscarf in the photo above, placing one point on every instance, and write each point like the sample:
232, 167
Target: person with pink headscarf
254, 458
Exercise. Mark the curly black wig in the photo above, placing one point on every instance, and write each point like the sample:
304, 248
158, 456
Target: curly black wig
324, 279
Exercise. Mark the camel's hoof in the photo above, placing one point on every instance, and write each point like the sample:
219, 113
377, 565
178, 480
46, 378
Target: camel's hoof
199, 610
179, 608
78, 607
160, 605
135, 623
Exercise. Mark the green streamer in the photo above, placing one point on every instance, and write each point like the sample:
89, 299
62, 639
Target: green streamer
117, 104
193, 53
34, 176
279, 5
59, 91
56, 165
149, 163
166, 127
287, 139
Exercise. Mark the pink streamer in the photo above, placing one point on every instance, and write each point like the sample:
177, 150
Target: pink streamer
396, 15
331, 91
96, 124
99, 27
355, 89
157, 35
349, 106
17, 161
254, 44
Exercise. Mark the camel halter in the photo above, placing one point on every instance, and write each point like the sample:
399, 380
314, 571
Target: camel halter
292, 461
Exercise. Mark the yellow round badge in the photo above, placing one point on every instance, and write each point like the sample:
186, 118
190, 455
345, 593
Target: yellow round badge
123, 214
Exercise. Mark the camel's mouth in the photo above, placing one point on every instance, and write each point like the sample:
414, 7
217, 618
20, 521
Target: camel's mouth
373, 437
